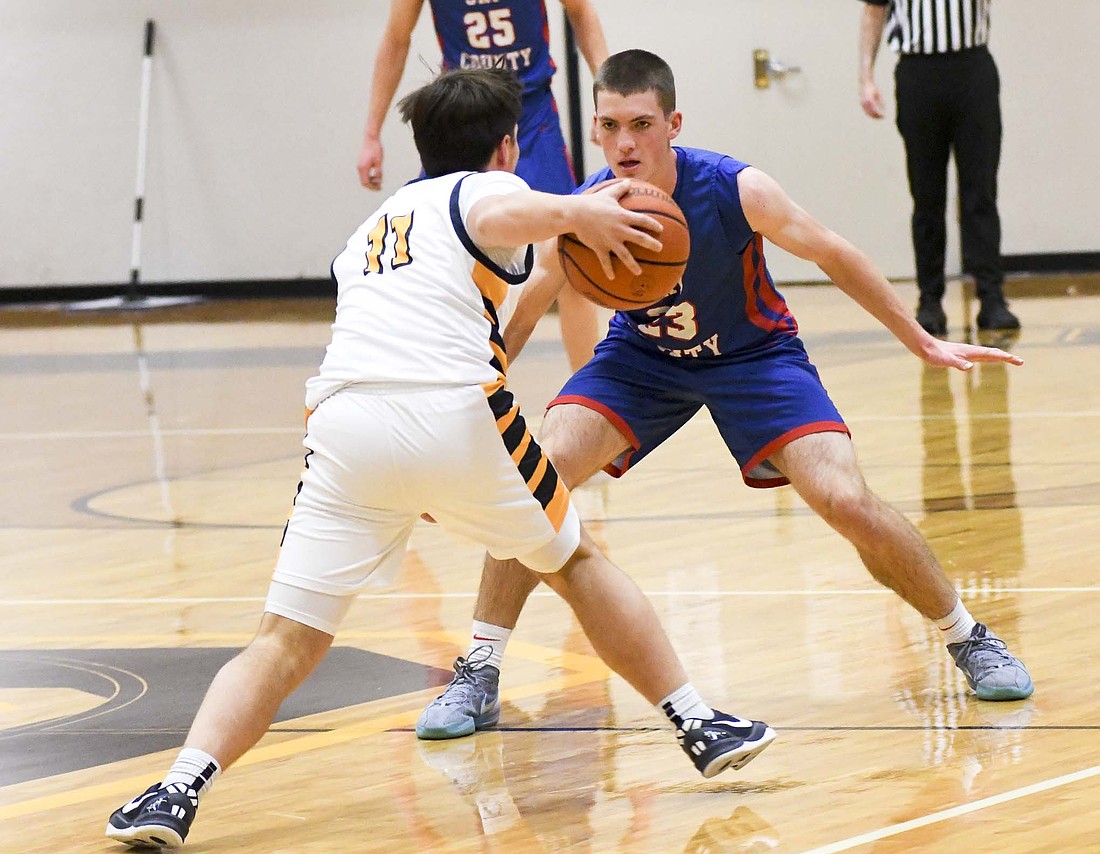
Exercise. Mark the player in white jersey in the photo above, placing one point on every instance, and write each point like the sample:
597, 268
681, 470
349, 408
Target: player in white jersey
412, 416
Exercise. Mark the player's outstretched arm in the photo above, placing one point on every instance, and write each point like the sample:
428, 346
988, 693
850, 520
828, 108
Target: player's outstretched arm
770, 211
389, 65
597, 219
538, 294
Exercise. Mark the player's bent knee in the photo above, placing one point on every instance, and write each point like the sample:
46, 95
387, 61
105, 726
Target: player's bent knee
844, 508
552, 556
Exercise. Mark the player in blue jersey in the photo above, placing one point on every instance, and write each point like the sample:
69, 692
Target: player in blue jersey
511, 34
724, 339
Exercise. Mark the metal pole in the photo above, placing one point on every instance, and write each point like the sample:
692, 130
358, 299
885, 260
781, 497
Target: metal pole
134, 291
573, 94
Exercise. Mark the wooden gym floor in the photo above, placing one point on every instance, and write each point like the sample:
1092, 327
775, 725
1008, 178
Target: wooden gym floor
152, 457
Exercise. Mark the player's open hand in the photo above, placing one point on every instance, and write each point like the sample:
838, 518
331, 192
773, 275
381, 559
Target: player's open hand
606, 227
948, 354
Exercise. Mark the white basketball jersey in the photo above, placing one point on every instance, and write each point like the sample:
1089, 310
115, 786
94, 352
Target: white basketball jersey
417, 300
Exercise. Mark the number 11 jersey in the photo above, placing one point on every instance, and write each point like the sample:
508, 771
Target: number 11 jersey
418, 302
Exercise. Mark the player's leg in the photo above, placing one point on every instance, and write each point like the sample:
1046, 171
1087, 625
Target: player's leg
514, 501
822, 467
778, 421
579, 442
627, 634
331, 545
244, 697
238, 708
614, 411
580, 326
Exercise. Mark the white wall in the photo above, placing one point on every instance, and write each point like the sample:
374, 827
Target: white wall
258, 105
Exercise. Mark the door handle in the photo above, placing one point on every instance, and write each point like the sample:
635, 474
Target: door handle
764, 69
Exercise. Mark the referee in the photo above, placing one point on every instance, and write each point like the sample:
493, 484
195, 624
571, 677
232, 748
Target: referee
948, 96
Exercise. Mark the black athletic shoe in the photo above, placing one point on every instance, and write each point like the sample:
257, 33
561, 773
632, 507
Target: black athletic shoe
158, 818
724, 742
932, 319
995, 315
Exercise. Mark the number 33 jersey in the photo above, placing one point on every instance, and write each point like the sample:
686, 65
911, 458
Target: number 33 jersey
418, 302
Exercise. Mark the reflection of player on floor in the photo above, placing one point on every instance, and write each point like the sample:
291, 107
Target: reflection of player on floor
725, 339
411, 415
510, 34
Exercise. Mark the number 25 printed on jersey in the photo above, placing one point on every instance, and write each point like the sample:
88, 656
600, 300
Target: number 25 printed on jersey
491, 29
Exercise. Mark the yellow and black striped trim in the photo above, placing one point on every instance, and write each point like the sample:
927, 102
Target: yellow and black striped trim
533, 464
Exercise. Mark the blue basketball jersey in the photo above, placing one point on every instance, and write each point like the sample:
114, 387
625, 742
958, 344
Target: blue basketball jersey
726, 304
497, 33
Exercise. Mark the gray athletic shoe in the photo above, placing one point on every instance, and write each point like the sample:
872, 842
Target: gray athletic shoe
990, 669
470, 702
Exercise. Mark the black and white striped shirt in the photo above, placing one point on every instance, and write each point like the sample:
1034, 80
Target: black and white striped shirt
935, 26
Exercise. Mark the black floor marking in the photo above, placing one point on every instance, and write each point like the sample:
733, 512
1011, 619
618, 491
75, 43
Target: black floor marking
150, 697
782, 729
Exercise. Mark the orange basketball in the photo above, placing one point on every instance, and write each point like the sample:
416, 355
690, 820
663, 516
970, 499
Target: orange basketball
661, 271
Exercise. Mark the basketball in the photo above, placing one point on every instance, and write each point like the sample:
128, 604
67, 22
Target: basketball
661, 271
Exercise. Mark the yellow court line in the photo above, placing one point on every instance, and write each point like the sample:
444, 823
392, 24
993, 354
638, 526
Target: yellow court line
593, 670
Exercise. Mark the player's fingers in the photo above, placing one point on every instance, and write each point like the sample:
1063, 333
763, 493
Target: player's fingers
605, 264
993, 354
623, 254
645, 222
645, 240
618, 189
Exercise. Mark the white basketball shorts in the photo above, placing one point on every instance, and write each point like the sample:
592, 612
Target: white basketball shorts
377, 458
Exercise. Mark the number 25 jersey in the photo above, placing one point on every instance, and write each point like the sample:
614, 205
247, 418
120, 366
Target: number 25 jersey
511, 34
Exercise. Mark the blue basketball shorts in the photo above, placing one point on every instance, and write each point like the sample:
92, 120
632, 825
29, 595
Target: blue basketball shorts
759, 403
543, 158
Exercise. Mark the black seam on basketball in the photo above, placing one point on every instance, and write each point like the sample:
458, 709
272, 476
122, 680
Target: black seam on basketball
662, 263
563, 253
665, 214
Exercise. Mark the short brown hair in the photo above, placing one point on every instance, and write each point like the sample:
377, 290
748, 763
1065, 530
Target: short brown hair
460, 117
633, 71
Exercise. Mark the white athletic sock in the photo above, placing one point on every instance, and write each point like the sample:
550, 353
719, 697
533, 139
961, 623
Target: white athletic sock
956, 626
196, 769
685, 704
495, 637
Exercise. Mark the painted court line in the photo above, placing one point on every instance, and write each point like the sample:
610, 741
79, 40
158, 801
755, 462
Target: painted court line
297, 431
215, 600
955, 812
141, 434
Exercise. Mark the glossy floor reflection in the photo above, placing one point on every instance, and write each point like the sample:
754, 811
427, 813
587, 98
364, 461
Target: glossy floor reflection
152, 458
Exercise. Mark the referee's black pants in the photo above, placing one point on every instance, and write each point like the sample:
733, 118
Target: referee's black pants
951, 102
